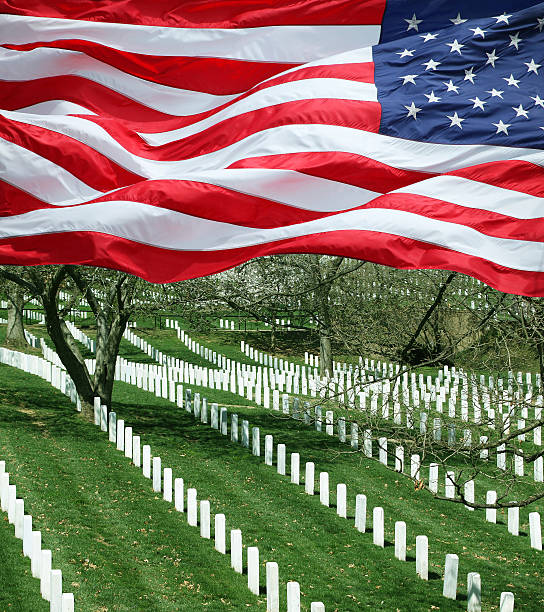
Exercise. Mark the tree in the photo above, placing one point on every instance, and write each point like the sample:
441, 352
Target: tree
15, 332
296, 287
109, 294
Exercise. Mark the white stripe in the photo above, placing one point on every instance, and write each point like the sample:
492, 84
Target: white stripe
172, 230
44, 62
306, 89
56, 107
395, 152
40, 177
473, 194
287, 44
53, 184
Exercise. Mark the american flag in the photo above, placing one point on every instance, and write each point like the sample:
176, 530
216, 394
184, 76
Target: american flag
177, 139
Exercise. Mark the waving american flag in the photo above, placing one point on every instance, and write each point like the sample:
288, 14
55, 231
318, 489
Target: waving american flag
174, 140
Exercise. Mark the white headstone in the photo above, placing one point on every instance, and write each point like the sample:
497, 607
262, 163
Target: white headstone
157, 475
378, 526
55, 590
422, 557
513, 520
205, 519
268, 449
27, 535
309, 478
506, 602
178, 495
272, 587
474, 592
535, 531
220, 535
36, 553
341, 500
360, 513
253, 569
67, 602
295, 468
236, 561
324, 488
450, 576
45, 574
167, 484
281, 459
491, 513
293, 597
192, 508
400, 540
433, 477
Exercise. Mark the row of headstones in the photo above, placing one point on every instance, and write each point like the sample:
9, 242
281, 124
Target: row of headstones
382, 444
40, 559
367, 441
44, 368
198, 512
219, 421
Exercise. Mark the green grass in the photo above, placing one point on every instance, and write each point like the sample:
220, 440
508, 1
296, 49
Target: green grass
121, 547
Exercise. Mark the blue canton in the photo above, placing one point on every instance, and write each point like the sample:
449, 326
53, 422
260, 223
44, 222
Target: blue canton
473, 81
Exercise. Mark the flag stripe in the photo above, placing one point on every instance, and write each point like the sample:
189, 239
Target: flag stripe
294, 44
203, 13
395, 152
160, 266
165, 229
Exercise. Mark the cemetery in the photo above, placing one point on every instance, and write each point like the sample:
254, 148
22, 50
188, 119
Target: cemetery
227, 476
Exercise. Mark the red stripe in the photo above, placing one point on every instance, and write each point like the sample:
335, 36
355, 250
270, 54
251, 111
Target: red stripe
364, 116
161, 266
85, 163
509, 174
93, 96
195, 73
206, 13
339, 166
230, 206
222, 204
484, 221
139, 117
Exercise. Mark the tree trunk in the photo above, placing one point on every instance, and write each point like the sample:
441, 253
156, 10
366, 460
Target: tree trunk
325, 352
107, 348
15, 334
71, 359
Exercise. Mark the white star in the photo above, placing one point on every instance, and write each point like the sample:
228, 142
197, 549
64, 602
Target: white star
540, 24
413, 110
406, 53
409, 78
502, 127
511, 80
458, 20
492, 58
432, 98
455, 46
455, 120
520, 111
515, 40
478, 32
495, 94
413, 24
431, 65
538, 100
532, 66
504, 18
478, 103
451, 86
469, 75
427, 37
